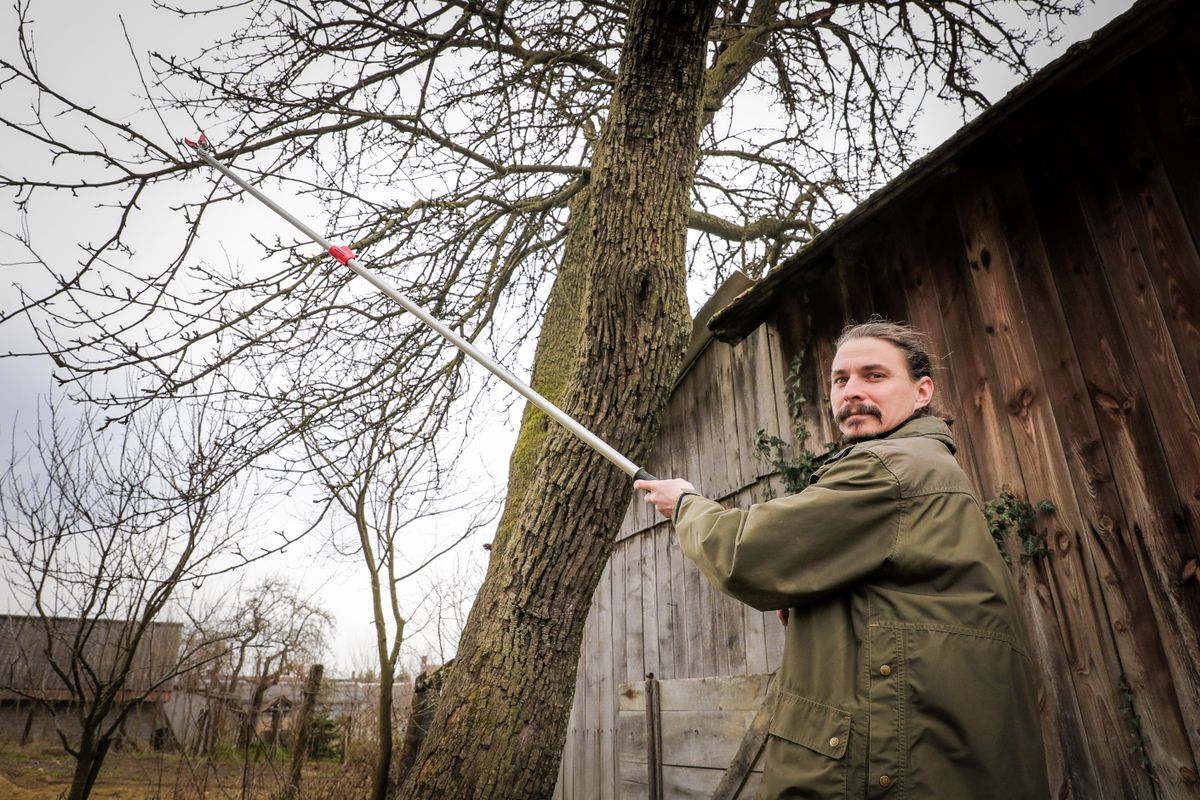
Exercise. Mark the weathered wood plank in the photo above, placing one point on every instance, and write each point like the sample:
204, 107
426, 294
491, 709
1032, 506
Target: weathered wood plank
709, 428
691, 432
892, 265
740, 405
1071, 335
1172, 114
854, 271
710, 654
761, 412
756, 640
731, 446
827, 322
996, 461
733, 640
688, 783
606, 701
775, 385
695, 624
1136, 406
635, 664
661, 541
679, 632
925, 313
567, 784
743, 692
707, 738
1171, 256
651, 660
620, 599
703, 722
1035, 434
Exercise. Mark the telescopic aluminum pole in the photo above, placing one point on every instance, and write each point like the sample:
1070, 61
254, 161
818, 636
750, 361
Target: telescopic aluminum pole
345, 257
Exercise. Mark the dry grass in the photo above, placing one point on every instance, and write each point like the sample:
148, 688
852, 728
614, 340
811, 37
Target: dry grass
43, 774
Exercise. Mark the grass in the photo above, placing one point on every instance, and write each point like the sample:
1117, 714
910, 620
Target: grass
44, 773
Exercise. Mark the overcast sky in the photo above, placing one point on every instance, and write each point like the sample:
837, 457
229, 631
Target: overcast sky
81, 46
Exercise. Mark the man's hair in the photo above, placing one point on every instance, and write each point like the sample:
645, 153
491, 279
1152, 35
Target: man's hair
912, 343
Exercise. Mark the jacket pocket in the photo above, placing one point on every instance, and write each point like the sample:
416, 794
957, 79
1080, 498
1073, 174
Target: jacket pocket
821, 728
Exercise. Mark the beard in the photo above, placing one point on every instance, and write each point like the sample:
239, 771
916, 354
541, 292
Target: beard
852, 409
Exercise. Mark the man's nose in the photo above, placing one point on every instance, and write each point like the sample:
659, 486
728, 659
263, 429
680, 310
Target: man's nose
854, 388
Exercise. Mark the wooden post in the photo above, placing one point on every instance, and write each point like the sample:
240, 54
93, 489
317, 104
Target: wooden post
276, 721
300, 738
28, 724
653, 741
427, 689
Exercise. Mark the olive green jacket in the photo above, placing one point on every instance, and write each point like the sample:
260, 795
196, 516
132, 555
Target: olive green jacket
906, 669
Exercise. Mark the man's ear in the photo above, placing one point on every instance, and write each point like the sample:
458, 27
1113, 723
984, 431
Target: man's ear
924, 392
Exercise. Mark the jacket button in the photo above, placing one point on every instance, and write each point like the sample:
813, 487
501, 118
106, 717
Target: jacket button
834, 742
885, 670
885, 781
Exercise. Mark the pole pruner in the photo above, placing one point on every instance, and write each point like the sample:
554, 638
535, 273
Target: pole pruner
343, 255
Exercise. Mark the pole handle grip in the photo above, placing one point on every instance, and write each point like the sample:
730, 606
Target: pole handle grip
643, 475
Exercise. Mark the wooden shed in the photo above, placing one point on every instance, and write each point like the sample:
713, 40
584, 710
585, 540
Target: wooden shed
1052, 250
36, 705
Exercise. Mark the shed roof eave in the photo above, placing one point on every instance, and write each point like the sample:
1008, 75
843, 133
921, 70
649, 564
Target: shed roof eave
1144, 23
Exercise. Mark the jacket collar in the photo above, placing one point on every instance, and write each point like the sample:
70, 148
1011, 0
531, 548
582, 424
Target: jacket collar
931, 427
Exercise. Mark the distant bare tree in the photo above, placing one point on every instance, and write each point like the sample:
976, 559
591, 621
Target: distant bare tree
104, 534
280, 631
384, 486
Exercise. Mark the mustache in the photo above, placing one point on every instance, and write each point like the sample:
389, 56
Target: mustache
850, 409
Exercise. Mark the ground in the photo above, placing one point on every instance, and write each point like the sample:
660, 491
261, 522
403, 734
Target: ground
44, 773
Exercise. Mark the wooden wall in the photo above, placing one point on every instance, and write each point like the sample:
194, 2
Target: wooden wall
1057, 267
653, 612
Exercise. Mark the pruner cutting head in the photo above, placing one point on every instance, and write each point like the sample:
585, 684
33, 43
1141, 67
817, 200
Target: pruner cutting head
199, 144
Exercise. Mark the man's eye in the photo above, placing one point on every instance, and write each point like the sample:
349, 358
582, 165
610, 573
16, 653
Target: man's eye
838, 381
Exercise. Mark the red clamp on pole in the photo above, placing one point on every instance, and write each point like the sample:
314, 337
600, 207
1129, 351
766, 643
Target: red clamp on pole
341, 253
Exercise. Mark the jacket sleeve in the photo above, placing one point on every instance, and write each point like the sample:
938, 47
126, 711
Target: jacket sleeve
796, 549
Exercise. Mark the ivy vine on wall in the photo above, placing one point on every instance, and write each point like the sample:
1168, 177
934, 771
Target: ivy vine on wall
1009, 513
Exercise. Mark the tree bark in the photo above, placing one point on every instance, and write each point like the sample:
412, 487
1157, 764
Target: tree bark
499, 729
554, 362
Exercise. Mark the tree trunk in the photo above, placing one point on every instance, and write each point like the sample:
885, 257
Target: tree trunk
427, 689
90, 758
383, 760
299, 738
249, 734
499, 729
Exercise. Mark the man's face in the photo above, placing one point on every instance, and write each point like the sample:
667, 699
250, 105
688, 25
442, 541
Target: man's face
871, 391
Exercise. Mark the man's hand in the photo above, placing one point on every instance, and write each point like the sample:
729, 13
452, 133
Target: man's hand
664, 494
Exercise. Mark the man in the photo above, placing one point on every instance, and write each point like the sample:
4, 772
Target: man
906, 668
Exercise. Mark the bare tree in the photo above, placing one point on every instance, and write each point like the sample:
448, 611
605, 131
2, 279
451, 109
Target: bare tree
476, 151
104, 535
278, 630
386, 488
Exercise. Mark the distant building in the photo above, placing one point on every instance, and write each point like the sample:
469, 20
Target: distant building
205, 710
36, 703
